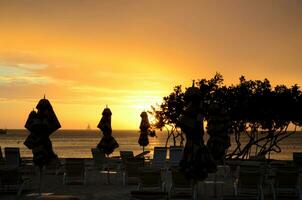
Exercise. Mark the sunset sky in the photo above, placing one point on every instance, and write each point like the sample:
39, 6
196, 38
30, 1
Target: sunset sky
130, 53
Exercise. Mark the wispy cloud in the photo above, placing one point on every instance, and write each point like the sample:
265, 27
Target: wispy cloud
3, 99
31, 66
133, 75
96, 89
22, 74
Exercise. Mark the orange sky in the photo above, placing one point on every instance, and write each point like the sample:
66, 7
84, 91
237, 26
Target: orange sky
130, 53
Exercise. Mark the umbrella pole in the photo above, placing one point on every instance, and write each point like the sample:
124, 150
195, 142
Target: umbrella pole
40, 181
108, 171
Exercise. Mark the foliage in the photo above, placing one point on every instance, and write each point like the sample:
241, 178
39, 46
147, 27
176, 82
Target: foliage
252, 109
167, 115
262, 114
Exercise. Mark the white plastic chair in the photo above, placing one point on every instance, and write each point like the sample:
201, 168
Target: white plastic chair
175, 155
12, 156
74, 171
159, 157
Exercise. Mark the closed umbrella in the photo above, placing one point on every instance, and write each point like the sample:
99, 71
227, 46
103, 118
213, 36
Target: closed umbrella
107, 143
197, 161
145, 130
41, 124
219, 124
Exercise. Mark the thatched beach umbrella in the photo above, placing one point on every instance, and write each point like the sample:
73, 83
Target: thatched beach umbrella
41, 125
197, 161
107, 143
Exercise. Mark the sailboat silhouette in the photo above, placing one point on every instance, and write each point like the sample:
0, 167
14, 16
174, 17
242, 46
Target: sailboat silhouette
3, 131
88, 127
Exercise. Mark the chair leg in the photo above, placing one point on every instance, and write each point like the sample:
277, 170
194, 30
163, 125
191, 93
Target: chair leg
123, 179
22, 186
273, 192
170, 191
64, 179
261, 193
20, 189
194, 192
108, 177
85, 179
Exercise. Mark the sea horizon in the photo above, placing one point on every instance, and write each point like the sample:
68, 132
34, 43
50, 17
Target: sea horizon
72, 129
78, 142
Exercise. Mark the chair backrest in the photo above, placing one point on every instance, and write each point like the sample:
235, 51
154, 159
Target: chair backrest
150, 178
126, 154
159, 157
132, 165
12, 156
11, 177
1, 157
74, 166
286, 177
250, 178
179, 180
175, 155
297, 158
222, 172
99, 157
52, 168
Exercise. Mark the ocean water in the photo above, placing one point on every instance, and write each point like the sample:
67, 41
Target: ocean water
78, 143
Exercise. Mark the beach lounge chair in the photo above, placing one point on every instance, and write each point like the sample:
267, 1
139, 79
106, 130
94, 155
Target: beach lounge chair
181, 187
106, 166
150, 180
12, 156
213, 185
130, 173
2, 161
150, 185
74, 172
223, 172
53, 168
99, 158
249, 182
126, 154
285, 183
145, 195
11, 180
175, 155
297, 158
142, 155
159, 157
58, 197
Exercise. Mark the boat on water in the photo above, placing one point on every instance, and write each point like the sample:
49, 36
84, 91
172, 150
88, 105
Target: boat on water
3, 131
88, 128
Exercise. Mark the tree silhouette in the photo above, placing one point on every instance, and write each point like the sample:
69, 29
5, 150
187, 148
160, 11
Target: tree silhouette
167, 116
251, 110
262, 114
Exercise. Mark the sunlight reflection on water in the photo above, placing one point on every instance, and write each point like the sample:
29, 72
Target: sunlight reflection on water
78, 143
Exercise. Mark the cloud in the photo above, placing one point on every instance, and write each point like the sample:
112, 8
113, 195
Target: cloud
95, 89
30, 66
26, 77
22, 74
3, 99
